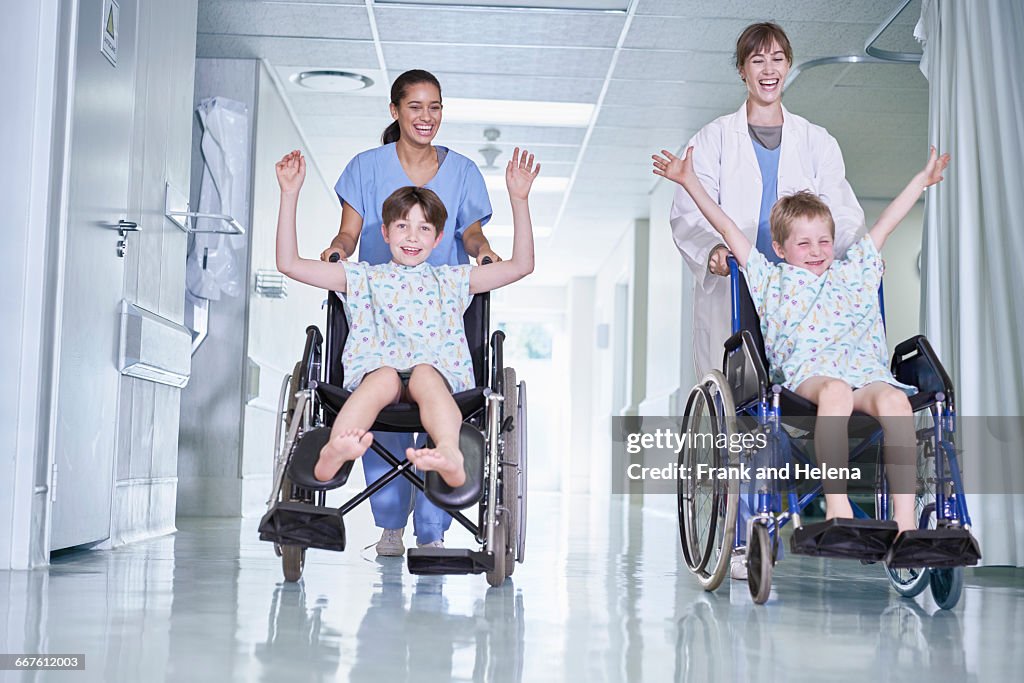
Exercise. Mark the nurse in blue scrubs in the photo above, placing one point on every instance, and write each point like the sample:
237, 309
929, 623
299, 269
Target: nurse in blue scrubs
408, 157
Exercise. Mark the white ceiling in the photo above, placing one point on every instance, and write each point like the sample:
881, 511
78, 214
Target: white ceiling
657, 72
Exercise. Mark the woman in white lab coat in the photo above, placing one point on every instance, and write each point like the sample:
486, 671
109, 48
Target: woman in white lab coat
747, 160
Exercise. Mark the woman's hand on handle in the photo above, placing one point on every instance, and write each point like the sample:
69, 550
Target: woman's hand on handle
718, 260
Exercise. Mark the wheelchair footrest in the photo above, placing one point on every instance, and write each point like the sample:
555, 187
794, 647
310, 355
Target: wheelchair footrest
854, 539
942, 547
448, 561
303, 524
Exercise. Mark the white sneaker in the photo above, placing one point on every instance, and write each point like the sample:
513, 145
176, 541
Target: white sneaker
390, 543
738, 564
433, 544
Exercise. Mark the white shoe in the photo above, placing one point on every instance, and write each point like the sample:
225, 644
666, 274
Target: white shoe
433, 544
738, 564
390, 543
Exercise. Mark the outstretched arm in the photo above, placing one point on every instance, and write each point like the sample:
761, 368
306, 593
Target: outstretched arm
681, 171
291, 171
900, 207
519, 175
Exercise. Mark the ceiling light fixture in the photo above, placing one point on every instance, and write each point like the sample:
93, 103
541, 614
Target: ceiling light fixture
490, 151
518, 112
331, 80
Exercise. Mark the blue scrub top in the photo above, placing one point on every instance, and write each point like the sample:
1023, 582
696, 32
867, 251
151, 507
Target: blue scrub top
768, 161
373, 175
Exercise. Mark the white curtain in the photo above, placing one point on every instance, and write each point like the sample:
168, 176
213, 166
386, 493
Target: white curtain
973, 257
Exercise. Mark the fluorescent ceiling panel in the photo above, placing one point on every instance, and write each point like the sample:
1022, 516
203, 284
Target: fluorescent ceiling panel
496, 183
586, 5
518, 112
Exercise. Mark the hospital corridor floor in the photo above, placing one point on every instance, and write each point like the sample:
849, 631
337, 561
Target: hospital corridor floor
602, 596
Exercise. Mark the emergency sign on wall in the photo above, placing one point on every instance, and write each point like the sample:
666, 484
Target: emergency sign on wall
108, 31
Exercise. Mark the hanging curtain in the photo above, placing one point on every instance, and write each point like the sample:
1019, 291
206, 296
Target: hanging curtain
972, 290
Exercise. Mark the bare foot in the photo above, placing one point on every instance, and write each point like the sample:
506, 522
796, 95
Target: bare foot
838, 506
342, 447
445, 460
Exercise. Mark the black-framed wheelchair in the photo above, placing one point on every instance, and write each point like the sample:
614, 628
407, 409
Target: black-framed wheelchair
742, 398
492, 440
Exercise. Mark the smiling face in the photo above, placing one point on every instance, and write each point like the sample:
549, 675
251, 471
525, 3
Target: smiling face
418, 113
411, 238
808, 245
764, 72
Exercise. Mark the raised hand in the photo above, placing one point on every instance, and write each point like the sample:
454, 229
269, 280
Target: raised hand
291, 171
932, 172
672, 167
519, 174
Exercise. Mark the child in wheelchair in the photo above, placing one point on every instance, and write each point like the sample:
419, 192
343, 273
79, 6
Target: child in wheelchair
406, 340
822, 323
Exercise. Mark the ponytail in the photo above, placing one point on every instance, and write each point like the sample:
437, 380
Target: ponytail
393, 132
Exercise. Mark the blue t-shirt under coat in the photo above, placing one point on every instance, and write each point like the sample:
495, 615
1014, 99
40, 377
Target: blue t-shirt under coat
768, 161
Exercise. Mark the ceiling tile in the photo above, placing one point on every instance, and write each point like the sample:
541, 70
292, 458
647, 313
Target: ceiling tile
292, 20
504, 27
351, 54
510, 61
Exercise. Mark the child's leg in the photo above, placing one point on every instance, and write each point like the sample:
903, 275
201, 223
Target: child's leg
835, 404
349, 438
442, 420
891, 408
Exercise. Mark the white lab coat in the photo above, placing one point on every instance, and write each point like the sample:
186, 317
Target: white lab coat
724, 159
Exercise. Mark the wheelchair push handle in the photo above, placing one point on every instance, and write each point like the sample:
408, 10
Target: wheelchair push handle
334, 258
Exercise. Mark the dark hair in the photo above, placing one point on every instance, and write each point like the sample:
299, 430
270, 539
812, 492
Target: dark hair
398, 88
760, 37
401, 201
803, 204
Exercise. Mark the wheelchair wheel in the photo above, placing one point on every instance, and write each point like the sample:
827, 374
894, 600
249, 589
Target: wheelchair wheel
497, 575
760, 559
509, 464
947, 585
293, 560
707, 508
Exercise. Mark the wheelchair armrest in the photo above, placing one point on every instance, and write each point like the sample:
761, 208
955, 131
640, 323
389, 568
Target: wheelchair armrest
497, 362
311, 357
744, 369
914, 362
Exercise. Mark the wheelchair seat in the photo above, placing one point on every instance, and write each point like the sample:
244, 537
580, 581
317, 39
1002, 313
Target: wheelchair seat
402, 417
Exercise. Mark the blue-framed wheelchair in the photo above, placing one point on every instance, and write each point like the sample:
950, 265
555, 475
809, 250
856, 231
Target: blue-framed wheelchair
741, 398
492, 440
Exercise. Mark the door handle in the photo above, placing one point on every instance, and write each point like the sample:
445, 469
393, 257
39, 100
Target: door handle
124, 227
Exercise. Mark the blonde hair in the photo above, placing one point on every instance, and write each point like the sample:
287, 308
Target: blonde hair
803, 204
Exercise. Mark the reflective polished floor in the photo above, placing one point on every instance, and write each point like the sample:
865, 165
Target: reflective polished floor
601, 597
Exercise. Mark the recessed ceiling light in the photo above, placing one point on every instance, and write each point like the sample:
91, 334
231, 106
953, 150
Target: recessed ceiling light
330, 80
518, 112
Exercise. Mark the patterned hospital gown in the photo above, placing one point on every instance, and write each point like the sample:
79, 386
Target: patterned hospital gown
828, 325
401, 316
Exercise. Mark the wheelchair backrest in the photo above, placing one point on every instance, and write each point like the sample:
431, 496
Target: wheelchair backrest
476, 319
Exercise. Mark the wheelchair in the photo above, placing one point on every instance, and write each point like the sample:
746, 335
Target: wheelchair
492, 440
741, 398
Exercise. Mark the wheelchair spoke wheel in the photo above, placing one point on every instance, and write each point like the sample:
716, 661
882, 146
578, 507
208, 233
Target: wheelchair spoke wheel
759, 564
707, 507
513, 471
946, 585
293, 560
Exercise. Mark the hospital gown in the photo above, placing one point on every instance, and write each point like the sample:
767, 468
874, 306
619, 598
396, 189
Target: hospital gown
401, 317
828, 325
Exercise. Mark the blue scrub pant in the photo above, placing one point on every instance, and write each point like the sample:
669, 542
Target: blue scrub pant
391, 504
